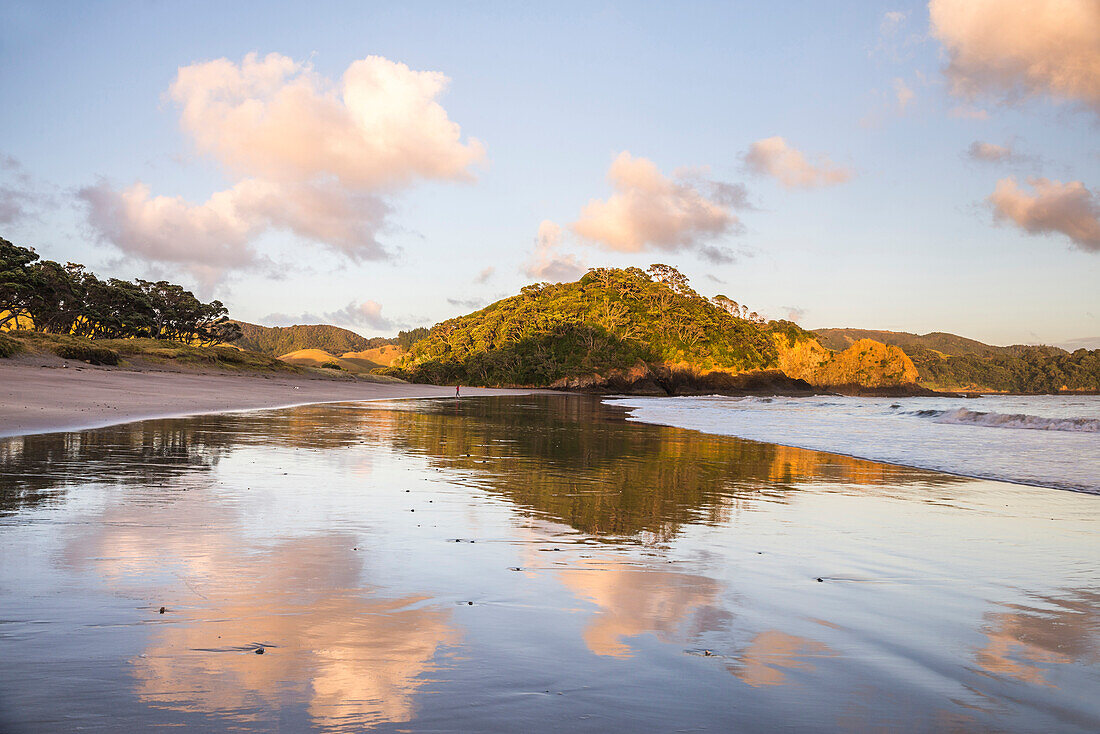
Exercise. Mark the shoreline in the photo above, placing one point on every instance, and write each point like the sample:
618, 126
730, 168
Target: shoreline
48, 398
630, 417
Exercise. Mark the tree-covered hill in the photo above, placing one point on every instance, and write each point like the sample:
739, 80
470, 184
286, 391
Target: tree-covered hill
613, 321
1016, 369
838, 339
279, 340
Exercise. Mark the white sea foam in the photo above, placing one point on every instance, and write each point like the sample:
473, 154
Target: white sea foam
962, 416
1060, 446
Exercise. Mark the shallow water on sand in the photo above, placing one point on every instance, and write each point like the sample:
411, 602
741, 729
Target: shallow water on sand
534, 563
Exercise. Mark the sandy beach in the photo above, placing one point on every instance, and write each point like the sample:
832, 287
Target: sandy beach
41, 395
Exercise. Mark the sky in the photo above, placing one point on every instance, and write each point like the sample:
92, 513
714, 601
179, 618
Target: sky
885, 165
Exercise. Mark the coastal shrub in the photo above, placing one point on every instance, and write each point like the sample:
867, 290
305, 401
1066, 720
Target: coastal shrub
9, 347
229, 355
331, 366
90, 354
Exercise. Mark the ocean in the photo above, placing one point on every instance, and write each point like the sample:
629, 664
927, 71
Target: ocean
1046, 441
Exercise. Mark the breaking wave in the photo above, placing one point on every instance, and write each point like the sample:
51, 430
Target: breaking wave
964, 417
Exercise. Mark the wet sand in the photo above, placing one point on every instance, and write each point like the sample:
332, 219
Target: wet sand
39, 395
527, 564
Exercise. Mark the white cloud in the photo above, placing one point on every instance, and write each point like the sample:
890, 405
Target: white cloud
793, 313
649, 211
169, 229
308, 156
485, 274
357, 315
903, 94
891, 22
989, 152
893, 42
20, 197
366, 313
1012, 50
966, 112
547, 264
1004, 153
471, 304
774, 157
1067, 208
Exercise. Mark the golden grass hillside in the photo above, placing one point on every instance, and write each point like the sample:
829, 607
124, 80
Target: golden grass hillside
137, 352
383, 356
320, 359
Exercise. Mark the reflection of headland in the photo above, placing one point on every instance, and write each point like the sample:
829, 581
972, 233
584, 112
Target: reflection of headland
566, 457
574, 460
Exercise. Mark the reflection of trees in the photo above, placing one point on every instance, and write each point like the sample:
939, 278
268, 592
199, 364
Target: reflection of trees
1026, 642
35, 468
568, 457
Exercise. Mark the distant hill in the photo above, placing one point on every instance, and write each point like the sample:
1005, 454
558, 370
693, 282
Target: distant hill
629, 327
951, 362
1092, 342
278, 340
952, 344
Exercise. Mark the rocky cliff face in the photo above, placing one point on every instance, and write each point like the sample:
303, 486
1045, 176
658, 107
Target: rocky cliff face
865, 363
661, 380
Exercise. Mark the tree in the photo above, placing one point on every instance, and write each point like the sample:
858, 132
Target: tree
727, 304
673, 278
58, 297
18, 281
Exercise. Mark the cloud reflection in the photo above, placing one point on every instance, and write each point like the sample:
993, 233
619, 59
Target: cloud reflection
1027, 642
354, 659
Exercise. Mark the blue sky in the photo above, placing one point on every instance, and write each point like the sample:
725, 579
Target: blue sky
907, 240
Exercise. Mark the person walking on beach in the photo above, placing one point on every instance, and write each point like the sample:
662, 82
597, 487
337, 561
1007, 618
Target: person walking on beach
456, 391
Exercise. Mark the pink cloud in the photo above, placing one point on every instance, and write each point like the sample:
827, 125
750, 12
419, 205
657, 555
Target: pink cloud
1011, 50
1067, 208
380, 127
775, 157
648, 210
308, 156
547, 263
